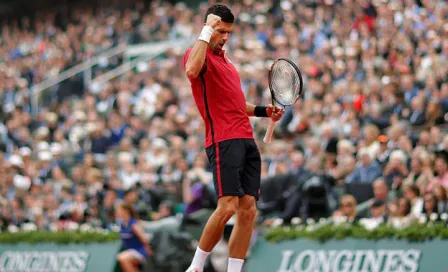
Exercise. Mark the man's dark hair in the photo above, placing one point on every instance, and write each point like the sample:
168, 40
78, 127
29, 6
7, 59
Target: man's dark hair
222, 11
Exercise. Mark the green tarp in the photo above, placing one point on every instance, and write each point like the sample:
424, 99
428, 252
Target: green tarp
47, 257
349, 255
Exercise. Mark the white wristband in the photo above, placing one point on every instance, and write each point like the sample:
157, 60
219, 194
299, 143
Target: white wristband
206, 33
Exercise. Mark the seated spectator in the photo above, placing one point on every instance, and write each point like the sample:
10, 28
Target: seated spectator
441, 166
412, 193
384, 151
417, 117
403, 208
381, 192
418, 176
347, 208
434, 114
345, 148
370, 141
442, 198
378, 210
106, 214
396, 169
345, 166
366, 171
400, 214
298, 165
430, 207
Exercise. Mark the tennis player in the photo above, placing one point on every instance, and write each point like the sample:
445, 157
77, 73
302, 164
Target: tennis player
230, 145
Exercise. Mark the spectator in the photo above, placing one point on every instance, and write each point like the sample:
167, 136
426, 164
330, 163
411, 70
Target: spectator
378, 210
396, 169
371, 144
106, 214
430, 207
367, 169
412, 193
347, 208
382, 193
404, 208
441, 167
442, 198
418, 176
417, 118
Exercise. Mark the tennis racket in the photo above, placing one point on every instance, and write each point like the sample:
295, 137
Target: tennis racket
286, 86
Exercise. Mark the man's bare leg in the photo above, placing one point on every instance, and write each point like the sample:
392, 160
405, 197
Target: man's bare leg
213, 231
241, 233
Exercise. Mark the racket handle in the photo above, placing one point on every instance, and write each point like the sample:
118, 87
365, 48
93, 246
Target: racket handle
268, 136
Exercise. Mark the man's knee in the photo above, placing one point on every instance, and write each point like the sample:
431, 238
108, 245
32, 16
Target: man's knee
247, 214
247, 209
227, 206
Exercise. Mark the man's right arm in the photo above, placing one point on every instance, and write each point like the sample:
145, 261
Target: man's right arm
196, 58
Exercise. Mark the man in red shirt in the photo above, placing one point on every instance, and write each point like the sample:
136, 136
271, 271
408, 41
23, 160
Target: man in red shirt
229, 143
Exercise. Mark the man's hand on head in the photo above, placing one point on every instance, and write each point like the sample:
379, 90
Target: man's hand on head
213, 20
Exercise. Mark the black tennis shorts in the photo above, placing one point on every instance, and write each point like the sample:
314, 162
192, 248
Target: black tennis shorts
236, 165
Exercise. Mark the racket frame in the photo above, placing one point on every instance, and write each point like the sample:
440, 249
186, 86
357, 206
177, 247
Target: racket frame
270, 130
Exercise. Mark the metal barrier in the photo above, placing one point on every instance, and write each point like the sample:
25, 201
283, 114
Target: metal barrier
141, 52
145, 52
84, 67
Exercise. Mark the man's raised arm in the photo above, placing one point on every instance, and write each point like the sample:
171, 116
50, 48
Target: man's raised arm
196, 58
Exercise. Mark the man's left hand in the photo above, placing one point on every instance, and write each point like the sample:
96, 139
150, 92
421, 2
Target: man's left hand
274, 112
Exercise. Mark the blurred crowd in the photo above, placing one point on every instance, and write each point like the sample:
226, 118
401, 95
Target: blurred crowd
374, 112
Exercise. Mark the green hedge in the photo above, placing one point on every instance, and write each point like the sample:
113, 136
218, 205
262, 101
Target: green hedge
413, 233
77, 237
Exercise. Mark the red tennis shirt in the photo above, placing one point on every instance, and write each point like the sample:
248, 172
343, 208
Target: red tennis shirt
220, 99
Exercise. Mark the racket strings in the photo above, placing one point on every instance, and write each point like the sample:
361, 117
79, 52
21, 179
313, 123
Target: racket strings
285, 83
